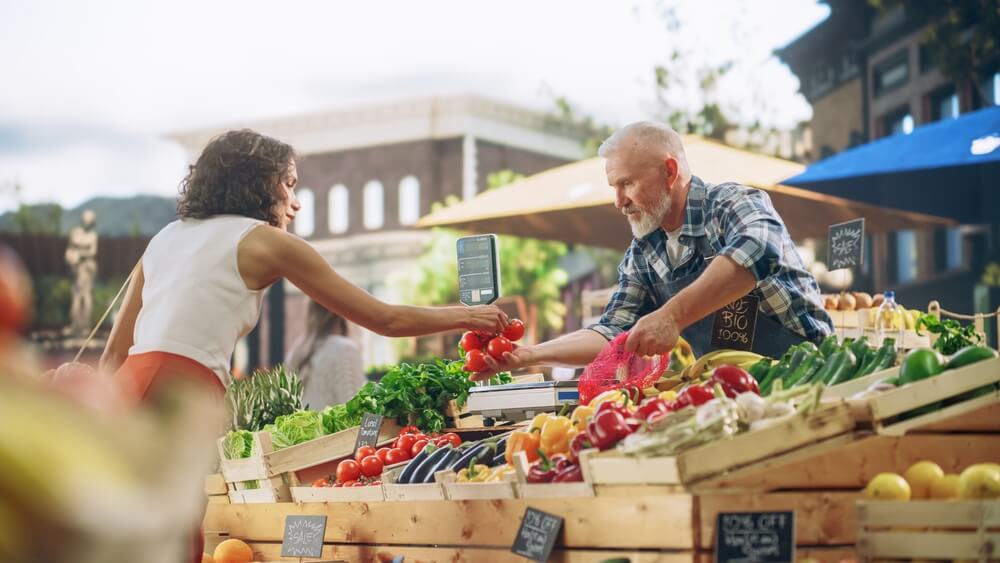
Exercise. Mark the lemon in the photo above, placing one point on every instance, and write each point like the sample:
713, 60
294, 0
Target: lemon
980, 481
888, 486
921, 476
945, 488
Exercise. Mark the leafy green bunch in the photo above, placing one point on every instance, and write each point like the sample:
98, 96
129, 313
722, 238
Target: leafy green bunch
952, 336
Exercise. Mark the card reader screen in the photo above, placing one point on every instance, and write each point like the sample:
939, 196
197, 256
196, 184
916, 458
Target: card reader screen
477, 275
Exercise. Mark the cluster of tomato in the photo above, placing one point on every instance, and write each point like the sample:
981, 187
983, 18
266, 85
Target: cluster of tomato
366, 467
477, 345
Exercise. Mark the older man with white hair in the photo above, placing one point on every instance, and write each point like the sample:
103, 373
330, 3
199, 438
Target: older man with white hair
697, 248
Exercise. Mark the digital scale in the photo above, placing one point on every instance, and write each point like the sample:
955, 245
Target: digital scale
522, 401
479, 284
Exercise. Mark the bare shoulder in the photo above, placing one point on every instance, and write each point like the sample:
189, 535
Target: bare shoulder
261, 254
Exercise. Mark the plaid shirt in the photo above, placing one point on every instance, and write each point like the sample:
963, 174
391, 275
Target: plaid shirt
724, 220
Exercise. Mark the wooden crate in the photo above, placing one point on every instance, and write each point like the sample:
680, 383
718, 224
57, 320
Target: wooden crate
454, 490
528, 490
929, 529
408, 492
883, 411
272, 471
338, 494
848, 388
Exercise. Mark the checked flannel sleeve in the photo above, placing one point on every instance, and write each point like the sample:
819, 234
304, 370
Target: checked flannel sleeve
753, 231
630, 301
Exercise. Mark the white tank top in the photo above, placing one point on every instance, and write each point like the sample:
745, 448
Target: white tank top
194, 302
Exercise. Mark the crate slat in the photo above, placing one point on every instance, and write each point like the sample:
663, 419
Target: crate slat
614, 468
337, 494
925, 545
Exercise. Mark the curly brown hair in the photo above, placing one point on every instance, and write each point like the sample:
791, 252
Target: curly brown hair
238, 173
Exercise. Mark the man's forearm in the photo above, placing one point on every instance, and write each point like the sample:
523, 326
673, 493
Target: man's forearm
723, 282
575, 349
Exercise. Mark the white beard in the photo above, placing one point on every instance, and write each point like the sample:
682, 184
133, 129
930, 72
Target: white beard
648, 221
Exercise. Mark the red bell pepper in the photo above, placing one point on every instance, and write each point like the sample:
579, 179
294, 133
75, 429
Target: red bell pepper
649, 407
607, 428
546, 468
734, 380
579, 443
696, 395
570, 474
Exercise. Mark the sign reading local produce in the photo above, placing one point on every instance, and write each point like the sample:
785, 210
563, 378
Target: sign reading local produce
537, 535
371, 424
755, 537
735, 324
845, 244
303, 536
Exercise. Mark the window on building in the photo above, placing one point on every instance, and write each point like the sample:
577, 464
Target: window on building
899, 121
944, 104
409, 200
953, 248
926, 62
374, 200
305, 219
892, 73
988, 93
339, 210
906, 256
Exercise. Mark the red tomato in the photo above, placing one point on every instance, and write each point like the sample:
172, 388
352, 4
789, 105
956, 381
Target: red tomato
321, 482
475, 360
395, 456
381, 453
514, 331
363, 452
498, 346
411, 429
351, 483
453, 439
337, 484
348, 470
371, 466
420, 436
405, 442
376, 482
418, 446
470, 341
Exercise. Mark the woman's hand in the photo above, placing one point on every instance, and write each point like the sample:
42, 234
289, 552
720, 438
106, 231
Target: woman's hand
486, 318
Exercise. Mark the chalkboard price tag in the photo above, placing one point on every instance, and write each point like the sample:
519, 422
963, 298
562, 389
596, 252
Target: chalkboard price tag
845, 244
537, 535
735, 324
303, 536
755, 537
368, 432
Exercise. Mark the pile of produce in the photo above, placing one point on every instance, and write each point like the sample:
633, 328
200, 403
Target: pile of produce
922, 363
476, 345
830, 363
552, 444
926, 480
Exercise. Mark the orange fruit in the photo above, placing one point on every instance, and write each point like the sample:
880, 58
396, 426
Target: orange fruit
922, 476
233, 551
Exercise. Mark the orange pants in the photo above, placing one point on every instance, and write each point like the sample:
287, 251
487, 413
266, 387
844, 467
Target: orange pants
139, 376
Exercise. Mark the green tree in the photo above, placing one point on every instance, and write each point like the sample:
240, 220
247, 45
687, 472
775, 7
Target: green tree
961, 36
528, 268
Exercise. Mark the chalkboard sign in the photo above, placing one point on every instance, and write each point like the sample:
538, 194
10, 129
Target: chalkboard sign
371, 424
845, 244
755, 537
303, 536
537, 535
735, 324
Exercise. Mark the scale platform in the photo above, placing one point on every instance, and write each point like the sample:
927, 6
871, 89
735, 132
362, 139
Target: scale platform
522, 401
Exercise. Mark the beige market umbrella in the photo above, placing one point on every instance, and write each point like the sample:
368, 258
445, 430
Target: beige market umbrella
574, 204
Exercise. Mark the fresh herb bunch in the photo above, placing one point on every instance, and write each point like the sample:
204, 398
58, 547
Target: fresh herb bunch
952, 336
414, 394
260, 399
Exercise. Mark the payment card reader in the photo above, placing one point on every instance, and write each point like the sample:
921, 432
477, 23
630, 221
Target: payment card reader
478, 270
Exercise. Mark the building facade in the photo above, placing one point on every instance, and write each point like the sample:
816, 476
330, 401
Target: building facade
367, 174
868, 74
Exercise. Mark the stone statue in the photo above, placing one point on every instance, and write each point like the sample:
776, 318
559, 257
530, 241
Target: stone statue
81, 255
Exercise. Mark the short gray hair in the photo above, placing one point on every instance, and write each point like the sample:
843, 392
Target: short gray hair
649, 135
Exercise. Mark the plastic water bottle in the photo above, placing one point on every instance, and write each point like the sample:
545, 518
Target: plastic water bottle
888, 321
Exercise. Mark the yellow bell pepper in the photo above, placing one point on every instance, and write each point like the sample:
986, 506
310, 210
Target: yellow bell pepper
475, 474
616, 395
501, 473
556, 435
668, 395
522, 441
581, 416
539, 421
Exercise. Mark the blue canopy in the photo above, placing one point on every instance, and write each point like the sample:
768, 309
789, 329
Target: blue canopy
946, 168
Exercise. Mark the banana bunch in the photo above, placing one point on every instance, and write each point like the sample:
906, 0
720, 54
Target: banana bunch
901, 319
705, 364
681, 356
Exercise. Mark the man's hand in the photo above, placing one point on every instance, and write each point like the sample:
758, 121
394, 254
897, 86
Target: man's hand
656, 333
520, 357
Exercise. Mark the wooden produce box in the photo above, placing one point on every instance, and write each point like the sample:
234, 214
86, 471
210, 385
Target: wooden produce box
216, 489
848, 388
369, 493
929, 530
689, 467
274, 471
528, 490
893, 412
455, 490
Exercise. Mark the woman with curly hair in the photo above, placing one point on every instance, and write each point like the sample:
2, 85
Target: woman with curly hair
199, 285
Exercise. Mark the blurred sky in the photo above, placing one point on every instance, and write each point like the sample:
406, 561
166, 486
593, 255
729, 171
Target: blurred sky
90, 87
